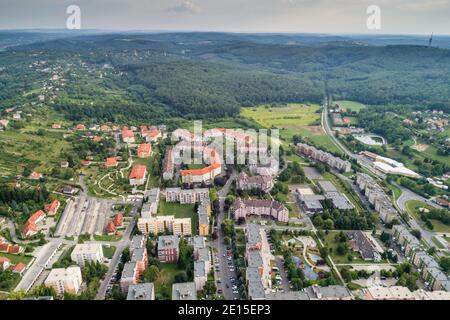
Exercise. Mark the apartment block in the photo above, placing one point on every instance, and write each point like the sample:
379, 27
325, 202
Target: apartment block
162, 224
64, 280
87, 252
168, 248
324, 157
262, 208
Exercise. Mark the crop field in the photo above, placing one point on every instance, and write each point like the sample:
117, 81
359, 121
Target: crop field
293, 119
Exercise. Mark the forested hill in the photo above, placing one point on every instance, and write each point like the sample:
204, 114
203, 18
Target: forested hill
208, 75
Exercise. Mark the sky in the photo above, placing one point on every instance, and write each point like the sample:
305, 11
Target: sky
293, 16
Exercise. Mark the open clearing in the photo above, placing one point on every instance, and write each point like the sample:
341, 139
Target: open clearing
351, 105
413, 207
293, 119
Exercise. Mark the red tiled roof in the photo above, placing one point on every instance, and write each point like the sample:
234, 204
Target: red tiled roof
4, 246
4, 259
14, 249
19, 267
85, 162
35, 175
52, 207
29, 226
118, 219
144, 149
111, 228
126, 133
111, 162
154, 132
138, 172
80, 126
35, 216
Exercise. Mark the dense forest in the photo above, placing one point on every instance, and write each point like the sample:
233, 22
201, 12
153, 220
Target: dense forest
207, 75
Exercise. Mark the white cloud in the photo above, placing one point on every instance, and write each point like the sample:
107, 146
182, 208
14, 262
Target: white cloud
184, 7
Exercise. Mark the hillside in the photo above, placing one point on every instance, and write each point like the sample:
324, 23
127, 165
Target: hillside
208, 75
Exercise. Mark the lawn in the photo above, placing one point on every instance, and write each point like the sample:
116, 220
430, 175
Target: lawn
107, 238
163, 284
108, 251
16, 258
351, 105
413, 206
332, 244
293, 119
179, 211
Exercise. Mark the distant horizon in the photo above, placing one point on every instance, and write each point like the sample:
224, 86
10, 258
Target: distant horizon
395, 17
107, 30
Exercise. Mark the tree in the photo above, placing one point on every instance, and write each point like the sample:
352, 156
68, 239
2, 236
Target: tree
180, 277
341, 248
444, 263
416, 233
150, 274
210, 287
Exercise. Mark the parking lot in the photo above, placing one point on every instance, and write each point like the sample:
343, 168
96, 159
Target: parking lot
84, 215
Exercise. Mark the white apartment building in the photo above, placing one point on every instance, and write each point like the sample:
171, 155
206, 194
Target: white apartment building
64, 280
87, 252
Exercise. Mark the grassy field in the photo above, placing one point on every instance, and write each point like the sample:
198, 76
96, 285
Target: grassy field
293, 119
179, 211
331, 243
16, 258
413, 206
351, 105
21, 148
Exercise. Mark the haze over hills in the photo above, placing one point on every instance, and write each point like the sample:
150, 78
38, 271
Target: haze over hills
198, 75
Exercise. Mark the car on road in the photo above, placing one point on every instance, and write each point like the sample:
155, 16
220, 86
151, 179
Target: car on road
220, 291
235, 292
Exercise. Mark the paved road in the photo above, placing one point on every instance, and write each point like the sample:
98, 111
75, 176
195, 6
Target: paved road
408, 195
284, 278
120, 246
224, 273
361, 161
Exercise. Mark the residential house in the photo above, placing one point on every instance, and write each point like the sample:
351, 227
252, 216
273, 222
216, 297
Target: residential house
144, 150
52, 208
138, 175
